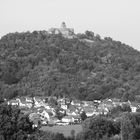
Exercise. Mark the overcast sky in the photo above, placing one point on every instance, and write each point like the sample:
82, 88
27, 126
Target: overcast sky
119, 19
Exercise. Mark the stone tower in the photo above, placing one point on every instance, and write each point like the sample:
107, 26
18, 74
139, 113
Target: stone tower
63, 25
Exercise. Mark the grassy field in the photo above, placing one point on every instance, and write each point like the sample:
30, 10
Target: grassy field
66, 130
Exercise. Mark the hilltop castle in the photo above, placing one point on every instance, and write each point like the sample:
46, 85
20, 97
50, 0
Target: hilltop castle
66, 32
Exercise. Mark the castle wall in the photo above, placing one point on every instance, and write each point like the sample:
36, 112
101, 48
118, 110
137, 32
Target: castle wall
66, 32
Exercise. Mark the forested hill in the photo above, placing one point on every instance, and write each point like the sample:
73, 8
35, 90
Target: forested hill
86, 67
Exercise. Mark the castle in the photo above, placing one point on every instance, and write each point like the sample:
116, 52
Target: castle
66, 32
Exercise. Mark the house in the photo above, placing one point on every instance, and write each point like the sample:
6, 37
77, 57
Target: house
106, 105
76, 103
87, 103
74, 113
73, 110
13, 102
38, 102
68, 119
62, 111
53, 111
44, 121
64, 101
77, 118
50, 111
28, 99
61, 101
90, 111
117, 103
103, 110
24, 102
44, 114
20, 103
53, 120
47, 106
134, 106
90, 114
97, 101
115, 100
63, 106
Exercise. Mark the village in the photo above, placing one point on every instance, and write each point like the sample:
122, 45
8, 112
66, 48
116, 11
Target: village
52, 111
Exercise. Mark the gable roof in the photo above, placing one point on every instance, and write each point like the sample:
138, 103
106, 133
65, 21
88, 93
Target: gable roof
13, 101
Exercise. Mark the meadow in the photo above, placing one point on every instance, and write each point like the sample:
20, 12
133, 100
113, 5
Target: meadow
66, 130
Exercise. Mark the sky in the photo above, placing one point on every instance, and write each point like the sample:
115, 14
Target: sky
118, 19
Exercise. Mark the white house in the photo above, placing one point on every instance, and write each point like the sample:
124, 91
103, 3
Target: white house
20, 103
47, 106
28, 99
44, 114
134, 106
24, 103
68, 119
69, 112
97, 101
38, 102
76, 102
13, 102
63, 106
133, 109
89, 114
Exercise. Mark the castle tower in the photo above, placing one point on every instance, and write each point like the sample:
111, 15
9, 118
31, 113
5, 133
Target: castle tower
63, 25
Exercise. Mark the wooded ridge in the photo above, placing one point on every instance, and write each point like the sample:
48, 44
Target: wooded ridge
85, 67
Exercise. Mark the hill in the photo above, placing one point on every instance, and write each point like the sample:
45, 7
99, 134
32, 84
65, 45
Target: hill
85, 67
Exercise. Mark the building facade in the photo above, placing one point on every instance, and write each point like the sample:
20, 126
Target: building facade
66, 32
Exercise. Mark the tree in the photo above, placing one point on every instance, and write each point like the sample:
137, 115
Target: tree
59, 136
130, 126
51, 65
126, 108
13, 124
126, 128
52, 101
116, 110
73, 134
89, 34
138, 110
59, 115
1, 99
96, 128
83, 116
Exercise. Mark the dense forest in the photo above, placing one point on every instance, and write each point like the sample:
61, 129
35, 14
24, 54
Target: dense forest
86, 67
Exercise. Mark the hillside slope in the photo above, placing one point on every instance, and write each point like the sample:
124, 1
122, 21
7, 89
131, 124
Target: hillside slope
86, 67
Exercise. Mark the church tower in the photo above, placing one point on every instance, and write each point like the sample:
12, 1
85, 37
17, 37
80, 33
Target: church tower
63, 25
